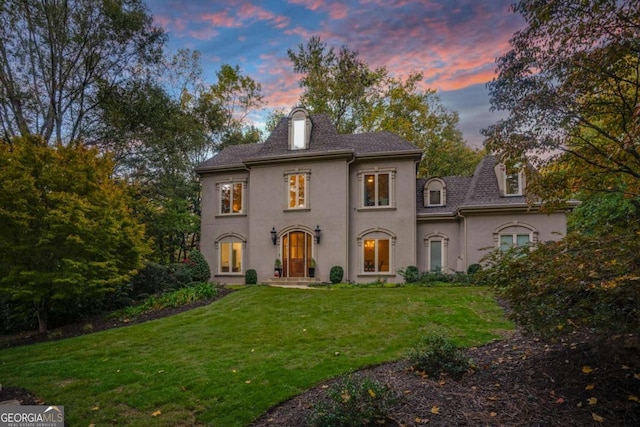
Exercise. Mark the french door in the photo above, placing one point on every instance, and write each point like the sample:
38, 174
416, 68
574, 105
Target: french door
296, 253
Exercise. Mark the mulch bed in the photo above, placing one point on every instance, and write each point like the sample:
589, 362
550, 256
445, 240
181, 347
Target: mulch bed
518, 381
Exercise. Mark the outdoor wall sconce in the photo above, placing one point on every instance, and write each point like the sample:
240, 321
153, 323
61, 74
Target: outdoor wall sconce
317, 231
274, 235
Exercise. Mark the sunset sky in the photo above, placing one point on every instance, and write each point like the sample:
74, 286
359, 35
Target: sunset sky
453, 43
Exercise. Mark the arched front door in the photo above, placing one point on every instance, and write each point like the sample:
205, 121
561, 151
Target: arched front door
296, 253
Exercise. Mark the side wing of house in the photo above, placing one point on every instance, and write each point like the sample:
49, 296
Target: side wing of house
461, 219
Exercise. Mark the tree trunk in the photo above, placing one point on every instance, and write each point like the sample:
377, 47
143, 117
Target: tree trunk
42, 320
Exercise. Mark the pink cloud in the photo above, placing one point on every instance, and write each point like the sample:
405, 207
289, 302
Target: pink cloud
309, 4
249, 11
221, 19
206, 33
338, 10
281, 22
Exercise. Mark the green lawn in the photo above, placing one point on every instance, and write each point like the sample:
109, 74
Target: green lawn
228, 362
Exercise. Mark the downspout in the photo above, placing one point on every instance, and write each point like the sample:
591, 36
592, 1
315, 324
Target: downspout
415, 219
465, 242
348, 217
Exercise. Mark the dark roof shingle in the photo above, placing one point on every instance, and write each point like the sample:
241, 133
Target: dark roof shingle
324, 139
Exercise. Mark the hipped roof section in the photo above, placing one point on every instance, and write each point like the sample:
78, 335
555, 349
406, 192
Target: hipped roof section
325, 140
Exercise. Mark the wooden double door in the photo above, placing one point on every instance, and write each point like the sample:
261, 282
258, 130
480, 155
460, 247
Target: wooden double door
297, 249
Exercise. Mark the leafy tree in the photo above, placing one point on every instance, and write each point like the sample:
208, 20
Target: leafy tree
57, 55
418, 116
570, 84
337, 83
65, 226
359, 99
273, 118
156, 146
605, 213
223, 108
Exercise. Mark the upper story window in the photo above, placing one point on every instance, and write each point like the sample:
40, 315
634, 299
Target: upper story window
377, 187
231, 197
435, 193
299, 129
512, 183
297, 189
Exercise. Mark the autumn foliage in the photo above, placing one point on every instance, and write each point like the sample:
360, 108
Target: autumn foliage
583, 281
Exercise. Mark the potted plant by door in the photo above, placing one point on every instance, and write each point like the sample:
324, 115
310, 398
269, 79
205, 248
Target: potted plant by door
277, 268
312, 267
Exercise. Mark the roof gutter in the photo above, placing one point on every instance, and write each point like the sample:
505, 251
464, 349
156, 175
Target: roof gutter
390, 154
303, 156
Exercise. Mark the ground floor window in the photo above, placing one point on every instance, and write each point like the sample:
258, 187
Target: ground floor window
230, 257
435, 255
508, 241
377, 257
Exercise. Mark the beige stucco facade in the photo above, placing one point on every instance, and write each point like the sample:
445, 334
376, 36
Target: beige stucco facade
354, 201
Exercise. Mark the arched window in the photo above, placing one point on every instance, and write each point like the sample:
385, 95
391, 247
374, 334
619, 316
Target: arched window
299, 129
377, 251
437, 245
515, 234
435, 192
230, 254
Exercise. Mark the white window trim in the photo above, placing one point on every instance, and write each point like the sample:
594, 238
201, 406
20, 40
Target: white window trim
231, 182
505, 176
392, 185
299, 116
229, 238
517, 228
377, 234
307, 186
444, 256
435, 184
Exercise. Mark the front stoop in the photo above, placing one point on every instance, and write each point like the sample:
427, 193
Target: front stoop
292, 282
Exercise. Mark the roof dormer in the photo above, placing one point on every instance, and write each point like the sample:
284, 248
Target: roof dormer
435, 192
511, 180
299, 129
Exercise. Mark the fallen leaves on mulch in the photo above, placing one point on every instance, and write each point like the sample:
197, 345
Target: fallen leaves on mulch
520, 381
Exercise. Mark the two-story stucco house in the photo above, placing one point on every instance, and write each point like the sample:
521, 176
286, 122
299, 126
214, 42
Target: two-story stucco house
309, 192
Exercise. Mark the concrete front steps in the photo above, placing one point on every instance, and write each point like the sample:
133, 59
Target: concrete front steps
292, 282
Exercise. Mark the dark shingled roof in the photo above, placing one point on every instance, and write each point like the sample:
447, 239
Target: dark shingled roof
457, 187
481, 189
478, 190
484, 188
324, 139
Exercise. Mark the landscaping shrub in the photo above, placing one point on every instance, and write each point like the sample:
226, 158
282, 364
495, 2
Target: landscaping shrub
411, 274
199, 267
353, 401
177, 298
250, 277
151, 279
180, 275
473, 269
436, 354
336, 273
581, 281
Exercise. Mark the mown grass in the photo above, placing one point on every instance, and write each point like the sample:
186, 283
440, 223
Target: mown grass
226, 363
